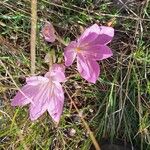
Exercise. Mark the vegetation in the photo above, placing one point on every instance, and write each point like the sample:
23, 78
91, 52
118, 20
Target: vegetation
117, 107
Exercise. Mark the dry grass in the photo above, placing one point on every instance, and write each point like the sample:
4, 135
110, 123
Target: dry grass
117, 107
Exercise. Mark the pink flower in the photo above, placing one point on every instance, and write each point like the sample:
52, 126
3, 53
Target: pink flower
43, 93
48, 32
90, 47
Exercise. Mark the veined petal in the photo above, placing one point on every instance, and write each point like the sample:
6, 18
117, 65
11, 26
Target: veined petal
24, 96
59, 77
35, 80
89, 35
89, 69
97, 52
105, 36
56, 73
44, 93
70, 53
39, 105
56, 102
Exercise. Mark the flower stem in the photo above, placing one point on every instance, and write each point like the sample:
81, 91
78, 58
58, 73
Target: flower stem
59, 39
33, 34
51, 58
94, 141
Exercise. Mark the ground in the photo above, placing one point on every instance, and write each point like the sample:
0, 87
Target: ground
116, 108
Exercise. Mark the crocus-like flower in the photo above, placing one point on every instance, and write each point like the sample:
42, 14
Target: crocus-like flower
88, 48
48, 32
43, 93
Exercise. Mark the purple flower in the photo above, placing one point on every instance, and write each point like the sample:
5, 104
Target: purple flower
48, 32
43, 93
90, 47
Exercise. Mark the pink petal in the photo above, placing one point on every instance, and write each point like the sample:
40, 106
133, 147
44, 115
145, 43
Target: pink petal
24, 96
70, 53
56, 73
48, 32
55, 105
39, 105
89, 35
35, 80
106, 35
97, 52
88, 69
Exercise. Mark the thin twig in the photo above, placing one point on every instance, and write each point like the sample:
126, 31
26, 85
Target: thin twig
79, 10
59, 39
94, 141
33, 33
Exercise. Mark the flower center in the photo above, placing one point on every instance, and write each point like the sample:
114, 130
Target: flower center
46, 31
78, 49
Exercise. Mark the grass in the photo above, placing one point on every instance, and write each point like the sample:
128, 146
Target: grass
116, 107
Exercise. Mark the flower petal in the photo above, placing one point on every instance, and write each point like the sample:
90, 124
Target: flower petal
39, 105
105, 36
55, 105
56, 73
24, 96
88, 69
70, 53
35, 80
48, 32
89, 35
98, 52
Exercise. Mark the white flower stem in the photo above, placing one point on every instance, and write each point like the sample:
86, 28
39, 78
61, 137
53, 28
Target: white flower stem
33, 34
